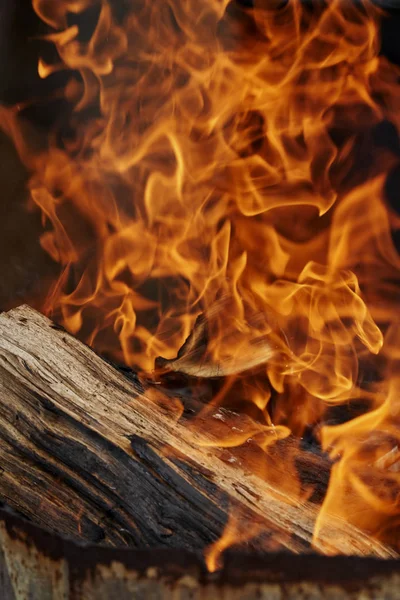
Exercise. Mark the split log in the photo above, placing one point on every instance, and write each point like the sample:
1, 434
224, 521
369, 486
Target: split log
84, 452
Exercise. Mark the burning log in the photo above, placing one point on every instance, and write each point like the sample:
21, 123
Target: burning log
87, 453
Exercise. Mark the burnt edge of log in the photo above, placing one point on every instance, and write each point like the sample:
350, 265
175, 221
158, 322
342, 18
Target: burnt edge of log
240, 568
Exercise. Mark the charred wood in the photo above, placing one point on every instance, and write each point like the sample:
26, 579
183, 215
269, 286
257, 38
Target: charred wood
86, 452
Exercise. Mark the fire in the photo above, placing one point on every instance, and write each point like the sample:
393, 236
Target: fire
212, 205
236, 532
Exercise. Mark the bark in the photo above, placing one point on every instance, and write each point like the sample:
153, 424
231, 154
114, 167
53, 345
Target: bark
40, 566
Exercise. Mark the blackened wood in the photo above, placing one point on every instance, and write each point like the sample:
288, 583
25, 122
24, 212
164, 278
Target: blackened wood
87, 453
36, 564
61, 474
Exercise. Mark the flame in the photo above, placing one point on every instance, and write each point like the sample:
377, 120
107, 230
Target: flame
237, 531
213, 206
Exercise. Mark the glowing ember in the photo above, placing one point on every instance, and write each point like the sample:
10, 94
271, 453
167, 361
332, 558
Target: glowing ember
209, 206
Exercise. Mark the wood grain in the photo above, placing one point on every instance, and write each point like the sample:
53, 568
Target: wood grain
38, 565
85, 451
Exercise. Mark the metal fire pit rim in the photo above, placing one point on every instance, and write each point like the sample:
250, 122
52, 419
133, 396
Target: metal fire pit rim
239, 568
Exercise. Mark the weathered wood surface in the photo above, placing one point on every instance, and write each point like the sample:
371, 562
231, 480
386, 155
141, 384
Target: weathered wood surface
40, 566
84, 451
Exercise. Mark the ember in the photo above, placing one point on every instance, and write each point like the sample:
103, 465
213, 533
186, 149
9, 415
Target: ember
219, 212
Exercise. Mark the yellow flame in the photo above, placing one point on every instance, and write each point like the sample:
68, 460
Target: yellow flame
211, 211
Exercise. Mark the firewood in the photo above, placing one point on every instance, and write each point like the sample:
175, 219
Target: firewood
86, 452
39, 565
193, 357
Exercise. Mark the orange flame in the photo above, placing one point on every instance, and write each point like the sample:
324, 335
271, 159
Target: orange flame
209, 208
235, 532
